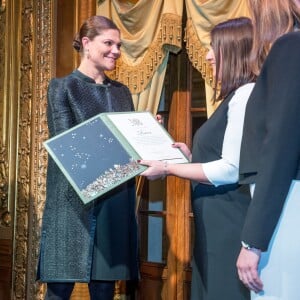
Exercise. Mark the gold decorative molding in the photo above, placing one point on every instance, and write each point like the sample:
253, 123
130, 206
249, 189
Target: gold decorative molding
33, 125
27, 68
2, 6
5, 217
24, 98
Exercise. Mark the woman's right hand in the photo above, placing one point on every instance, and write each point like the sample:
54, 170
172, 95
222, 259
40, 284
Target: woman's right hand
156, 169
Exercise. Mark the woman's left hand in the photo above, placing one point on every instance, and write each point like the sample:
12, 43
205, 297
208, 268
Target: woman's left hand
159, 119
184, 148
247, 266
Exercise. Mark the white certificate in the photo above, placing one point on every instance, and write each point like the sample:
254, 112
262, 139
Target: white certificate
147, 136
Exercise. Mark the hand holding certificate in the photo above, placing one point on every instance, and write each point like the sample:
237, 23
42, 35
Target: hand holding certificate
160, 169
102, 152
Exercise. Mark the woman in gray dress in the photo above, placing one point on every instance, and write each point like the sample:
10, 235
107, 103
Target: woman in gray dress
219, 204
94, 243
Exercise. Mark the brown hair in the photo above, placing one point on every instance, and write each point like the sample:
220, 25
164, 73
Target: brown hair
91, 28
231, 42
271, 19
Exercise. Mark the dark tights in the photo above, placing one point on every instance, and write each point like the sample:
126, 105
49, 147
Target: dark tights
99, 290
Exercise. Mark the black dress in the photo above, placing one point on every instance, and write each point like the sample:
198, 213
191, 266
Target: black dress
219, 214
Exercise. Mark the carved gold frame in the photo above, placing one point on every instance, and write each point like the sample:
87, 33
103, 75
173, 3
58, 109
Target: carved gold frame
26, 67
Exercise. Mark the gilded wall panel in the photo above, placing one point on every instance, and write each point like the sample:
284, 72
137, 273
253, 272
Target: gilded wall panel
24, 151
4, 215
43, 62
25, 69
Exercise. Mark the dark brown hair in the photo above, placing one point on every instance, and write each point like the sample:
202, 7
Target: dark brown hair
271, 19
231, 42
91, 28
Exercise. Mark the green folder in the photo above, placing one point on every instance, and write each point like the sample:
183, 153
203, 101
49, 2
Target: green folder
102, 152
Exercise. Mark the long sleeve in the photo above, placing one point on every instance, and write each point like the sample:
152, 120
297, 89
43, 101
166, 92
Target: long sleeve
279, 155
226, 169
58, 111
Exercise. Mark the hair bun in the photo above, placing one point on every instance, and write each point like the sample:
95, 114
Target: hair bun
76, 45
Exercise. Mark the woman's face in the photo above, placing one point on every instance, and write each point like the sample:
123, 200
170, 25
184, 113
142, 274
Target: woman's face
211, 58
103, 50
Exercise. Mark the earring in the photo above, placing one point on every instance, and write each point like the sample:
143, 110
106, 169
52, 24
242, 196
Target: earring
87, 52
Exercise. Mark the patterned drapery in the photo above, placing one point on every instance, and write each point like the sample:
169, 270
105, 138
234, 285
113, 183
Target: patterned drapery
149, 31
202, 16
152, 29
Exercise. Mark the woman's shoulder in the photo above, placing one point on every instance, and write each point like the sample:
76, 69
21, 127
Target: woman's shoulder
283, 57
290, 36
289, 42
241, 95
243, 91
245, 88
57, 81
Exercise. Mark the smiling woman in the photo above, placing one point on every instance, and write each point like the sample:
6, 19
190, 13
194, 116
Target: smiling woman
100, 54
99, 46
94, 243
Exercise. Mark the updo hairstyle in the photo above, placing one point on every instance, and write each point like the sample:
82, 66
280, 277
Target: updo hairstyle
91, 28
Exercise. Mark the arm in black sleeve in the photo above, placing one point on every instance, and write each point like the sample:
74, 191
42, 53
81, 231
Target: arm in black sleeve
280, 151
59, 113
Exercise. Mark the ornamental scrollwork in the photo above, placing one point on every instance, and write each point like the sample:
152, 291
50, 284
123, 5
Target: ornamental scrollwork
5, 217
2, 6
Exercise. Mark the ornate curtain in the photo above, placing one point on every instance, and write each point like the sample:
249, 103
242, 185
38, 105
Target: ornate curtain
149, 31
152, 29
202, 16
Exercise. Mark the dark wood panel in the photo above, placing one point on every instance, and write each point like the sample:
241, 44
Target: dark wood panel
5, 268
153, 276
